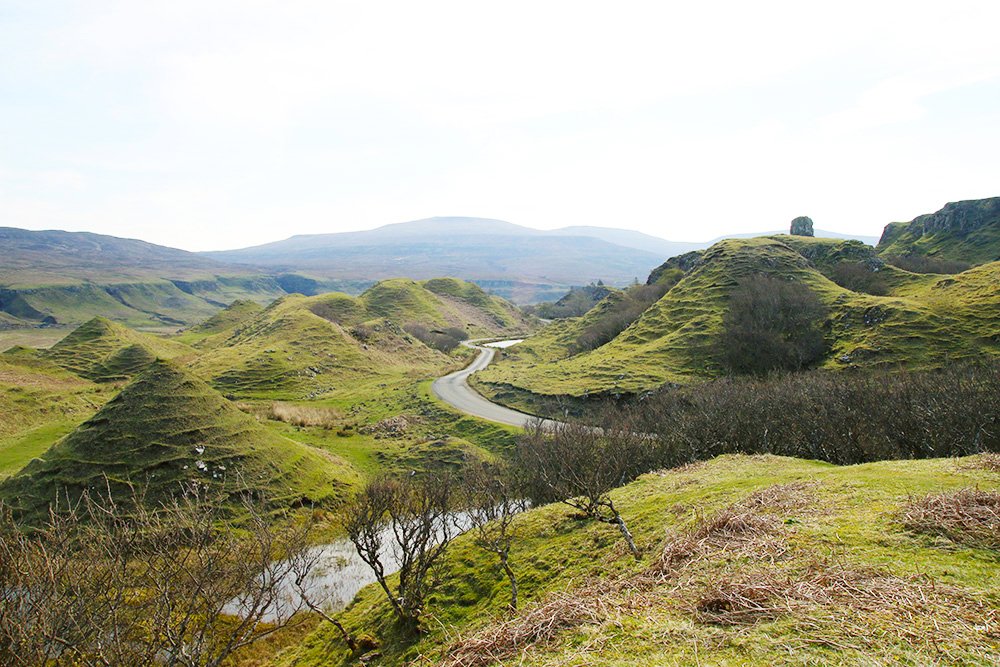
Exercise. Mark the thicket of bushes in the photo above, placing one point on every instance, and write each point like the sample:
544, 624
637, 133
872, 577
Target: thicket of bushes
771, 324
925, 264
444, 340
843, 418
635, 300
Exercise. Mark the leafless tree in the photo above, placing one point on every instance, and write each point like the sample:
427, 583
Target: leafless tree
579, 465
103, 583
407, 520
492, 499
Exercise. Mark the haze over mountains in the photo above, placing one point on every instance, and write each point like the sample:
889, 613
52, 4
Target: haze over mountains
58, 277
480, 249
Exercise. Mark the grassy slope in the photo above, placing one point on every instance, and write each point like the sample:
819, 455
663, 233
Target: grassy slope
821, 520
39, 403
157, 429
967, 231
146, 304
104, 351
216, 329
926, 320
302, 348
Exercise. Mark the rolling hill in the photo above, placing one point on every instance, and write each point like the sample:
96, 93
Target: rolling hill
56, 277
168, 428
965, 231
916, 319
105, 351
746, 561
331, 344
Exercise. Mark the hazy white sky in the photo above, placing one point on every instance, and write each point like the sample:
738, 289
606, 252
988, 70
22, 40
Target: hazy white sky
218, 124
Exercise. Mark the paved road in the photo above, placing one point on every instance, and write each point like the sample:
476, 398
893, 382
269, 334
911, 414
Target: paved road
454, 390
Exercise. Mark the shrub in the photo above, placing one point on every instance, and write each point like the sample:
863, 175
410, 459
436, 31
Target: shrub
925, 264
618, 316
771, 324
843, 418
443, 341
859, 277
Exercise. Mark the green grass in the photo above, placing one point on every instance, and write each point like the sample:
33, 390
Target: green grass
339, 348
967, 231
155, 433
105, 351
923, 322
16, 451
837, 518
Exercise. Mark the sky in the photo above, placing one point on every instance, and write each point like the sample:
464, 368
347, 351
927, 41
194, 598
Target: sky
227, 123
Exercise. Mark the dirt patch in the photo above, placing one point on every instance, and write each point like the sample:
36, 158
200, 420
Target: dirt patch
969, 516
391, 427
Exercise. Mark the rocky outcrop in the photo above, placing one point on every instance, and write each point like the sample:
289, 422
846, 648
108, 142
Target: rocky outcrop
968, 231
802, 226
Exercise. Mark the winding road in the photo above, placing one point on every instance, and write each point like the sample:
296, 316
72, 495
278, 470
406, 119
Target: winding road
454, 389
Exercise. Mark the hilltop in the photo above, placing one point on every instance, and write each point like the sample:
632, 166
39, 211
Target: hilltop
168, 428
746, 560
328, 345
105, 351
879, 315
965, 231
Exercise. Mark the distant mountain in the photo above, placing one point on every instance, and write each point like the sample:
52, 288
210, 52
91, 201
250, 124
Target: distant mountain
56, 277
509, 259
520, 263
965, 231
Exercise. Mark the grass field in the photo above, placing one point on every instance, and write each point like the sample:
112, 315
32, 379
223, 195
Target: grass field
746, 561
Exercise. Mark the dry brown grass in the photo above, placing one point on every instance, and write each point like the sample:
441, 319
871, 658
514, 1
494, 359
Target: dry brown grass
538, 625
852, 608
737, 568
296, 415
752, 527
968, 516
988, 461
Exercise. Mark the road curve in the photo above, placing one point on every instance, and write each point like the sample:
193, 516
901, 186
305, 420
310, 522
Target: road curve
454, 390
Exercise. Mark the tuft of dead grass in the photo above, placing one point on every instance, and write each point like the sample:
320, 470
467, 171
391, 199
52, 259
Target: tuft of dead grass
989, 461
310, 416
845, 607
968, 516
752, 527
537, 625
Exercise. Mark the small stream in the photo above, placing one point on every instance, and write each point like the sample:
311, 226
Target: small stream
337, 576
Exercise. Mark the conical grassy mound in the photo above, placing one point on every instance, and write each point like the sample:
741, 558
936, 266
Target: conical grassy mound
104, 351
167, 429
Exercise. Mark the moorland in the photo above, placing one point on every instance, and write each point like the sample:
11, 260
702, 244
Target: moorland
780, 449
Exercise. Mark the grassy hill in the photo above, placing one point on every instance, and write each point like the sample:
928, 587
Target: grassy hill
965, 231
747, 560
168, 428
104, 351
70, 277
338, 346
39, 403
916, 319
